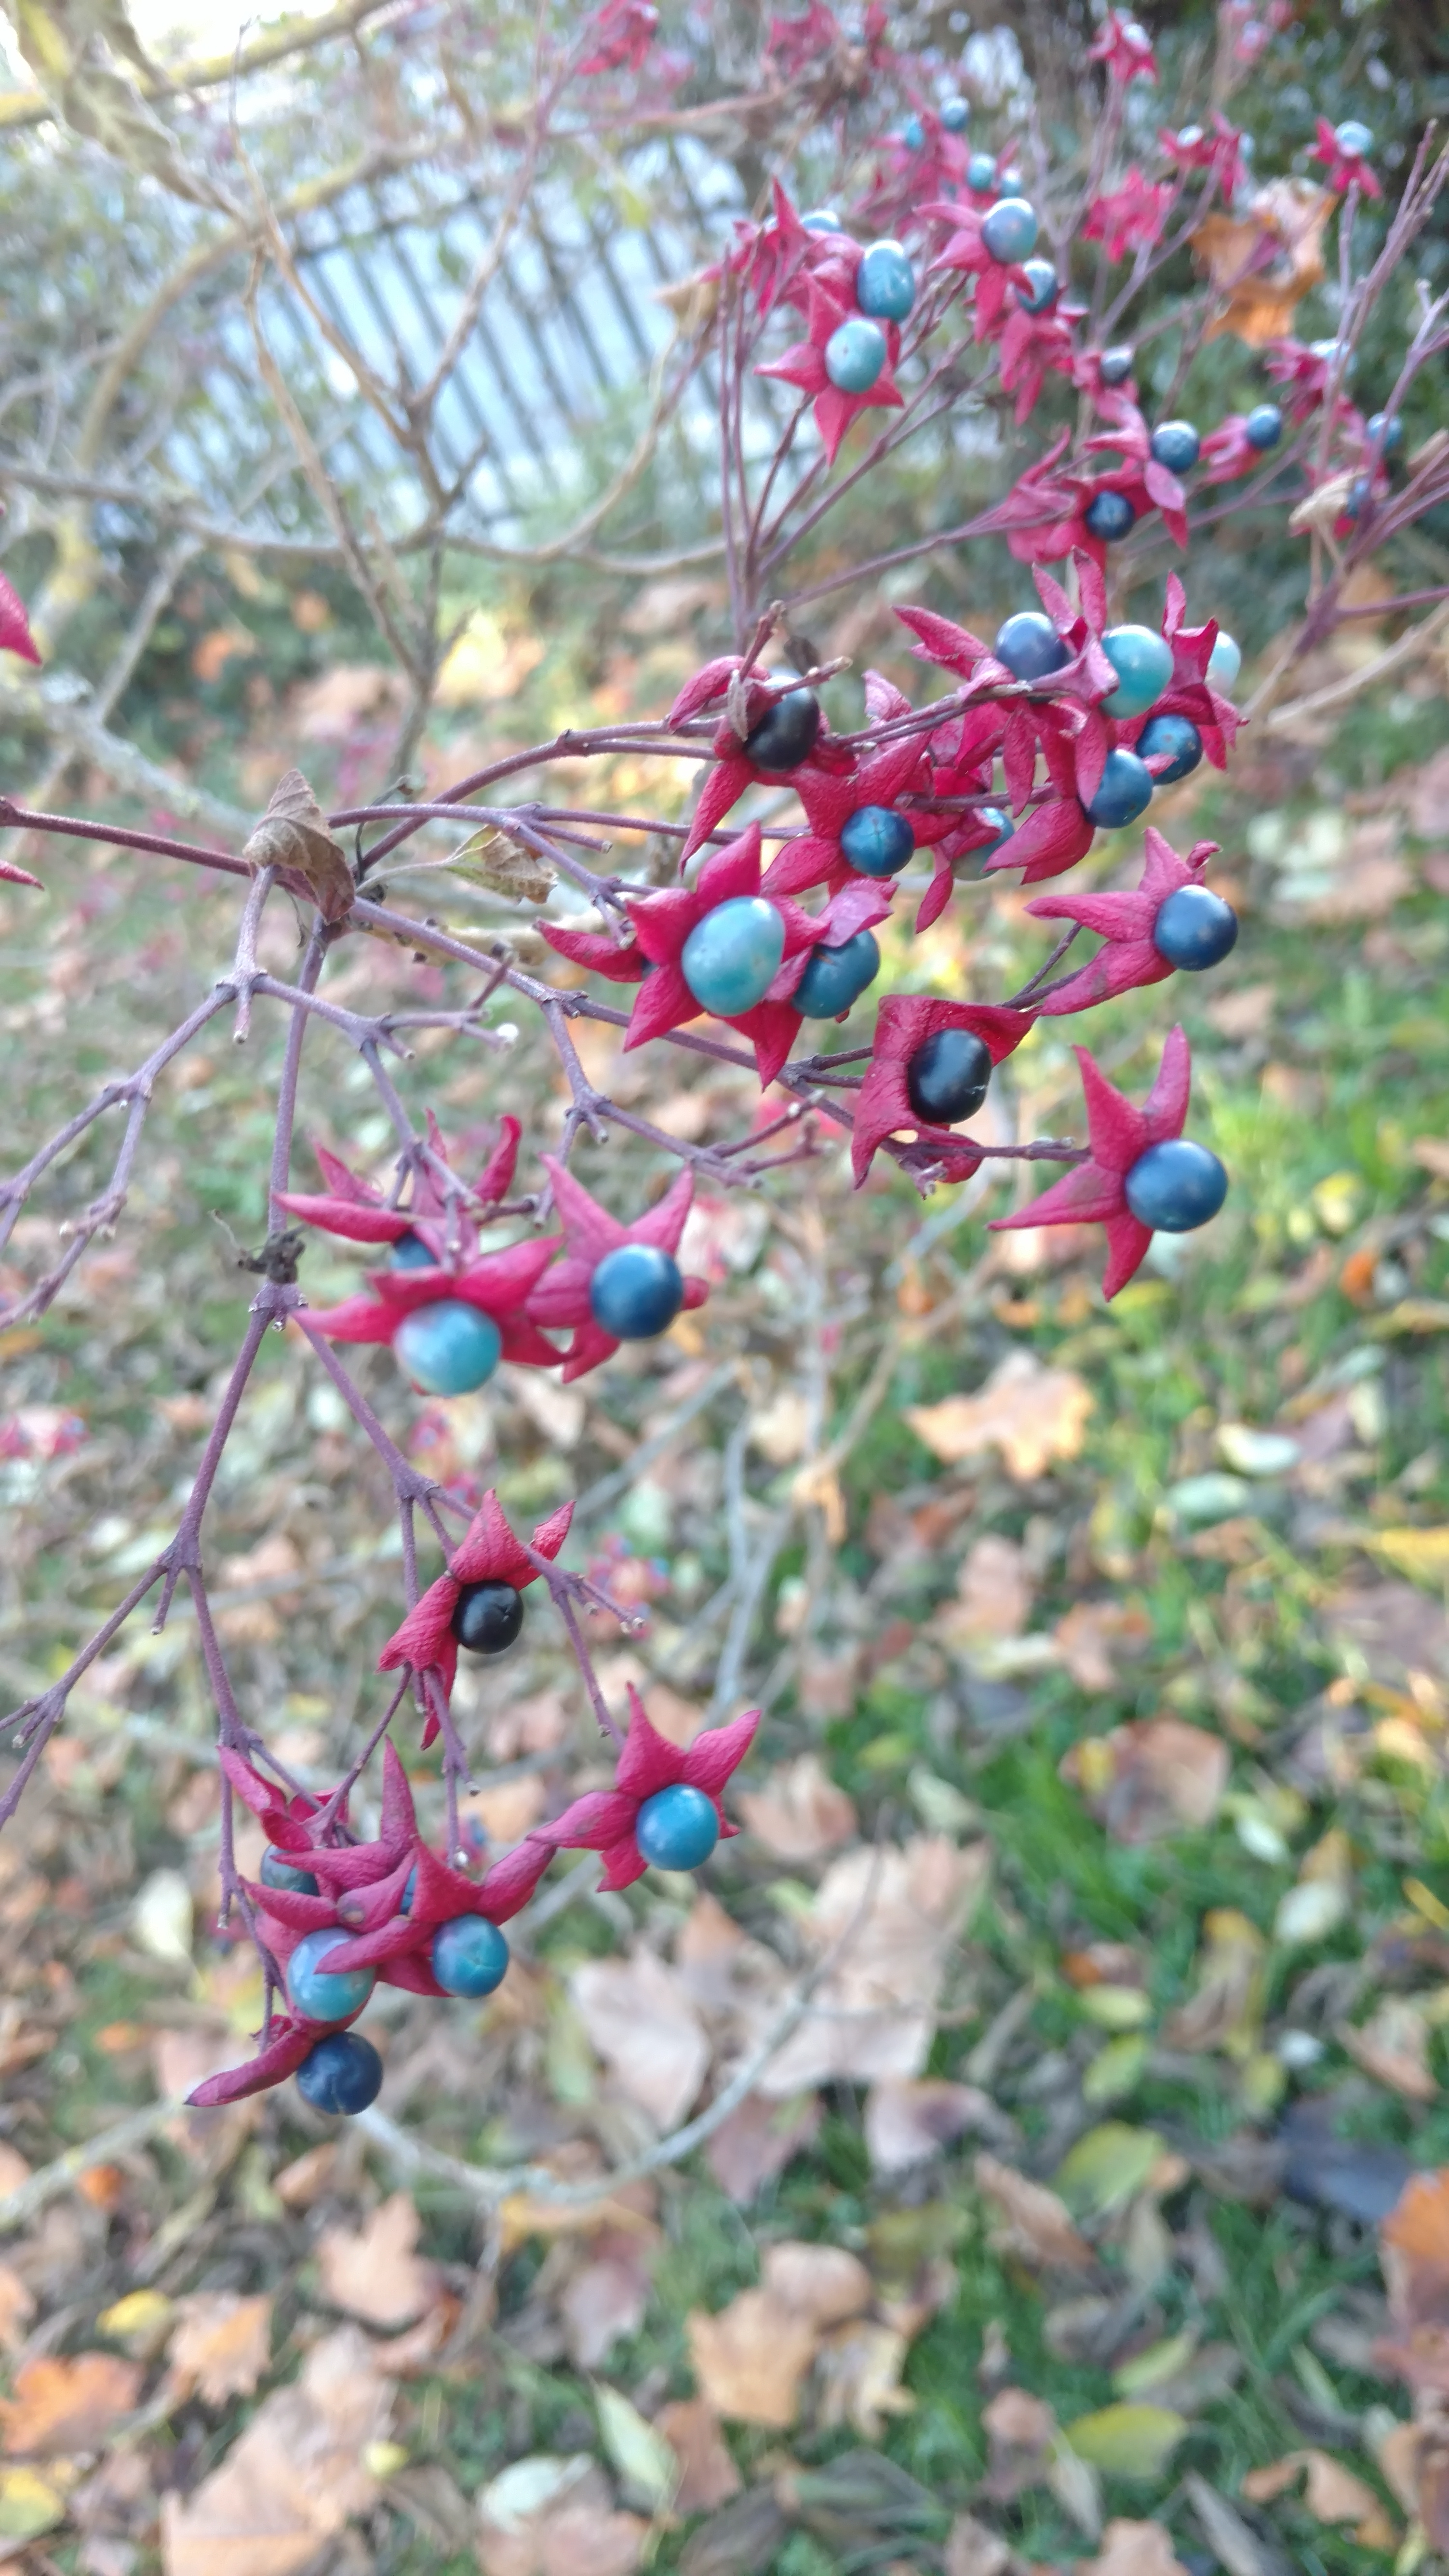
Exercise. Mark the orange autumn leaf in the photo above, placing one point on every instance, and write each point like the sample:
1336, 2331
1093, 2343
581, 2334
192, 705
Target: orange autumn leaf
1265, 262
68, 2402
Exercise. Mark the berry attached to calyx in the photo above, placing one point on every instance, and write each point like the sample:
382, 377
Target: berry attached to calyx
876, 841
1109, 515
785, 734
732, 956
1009, 230
1264, 425
1124, 791
278, 1869
469, 1955
1354, 138
1386, 431
948, 1077
1225, 660
636, 1292
913, 134
1194, 929
1175, 444
836, 977
1042, 288
1358, 492
1142, 660
822, 219
1178, 736
1175, 1186
342, 2073
315, 1994
955, 114
677, 1828
448, 1348
1116, 365
1030, 646
855, 355
487, 1618
981, 172
885, 282
411, 1253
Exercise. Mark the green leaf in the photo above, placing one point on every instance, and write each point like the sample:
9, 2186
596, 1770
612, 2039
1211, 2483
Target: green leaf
1127, 2441
645, 2463
1107, 2168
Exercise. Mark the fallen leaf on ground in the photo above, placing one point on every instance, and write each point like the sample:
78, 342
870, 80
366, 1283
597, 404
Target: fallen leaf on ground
859, 2369
1033, 1415
822, 2283
221, 2345
638, 2451
17, 2307
908, 2120
1022, 2433
1227, 2010
642, 2024
972, 2549
1414, 2252
605, 2301
891, 1915
1133, 2549
29, 2505
1128, 2441
758, 2140
296, 2477
546, 2516
1030, 2221
1096, 1636
707, 2474
1150, 1778
1331, 2492
1107, 2167
1393, 2047
1232, 2542
994, 1593
751, 2359
377, 2274
800, 1813
68, 2403
13, 2169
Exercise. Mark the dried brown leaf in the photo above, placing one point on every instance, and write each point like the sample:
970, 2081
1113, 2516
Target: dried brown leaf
555, 2517
751, 2358
1133, 2549
907, 2121
891, 1915
1393, 2047
994, 1593
972, 2549
859, 2370
1032, 1414
495, 861
1095, 1636
1022, 2433
758, 2140
297, 2476
640, 2020
67, 2403
376, 2274
293, 835
1150, 1778
824, 2284
221, 2345
1030, 2221
799, 1814
17, 2307
1227, 2010
604, 2302
1264, 263
707, 2473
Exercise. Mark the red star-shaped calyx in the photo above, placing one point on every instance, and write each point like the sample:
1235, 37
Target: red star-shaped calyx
883, 1103
1130, 217
1304, 376
489, 1553
1125, 48
663, 923
589, 1234
1345, 169
965, 250
734, 771
1187, 693
604, 1819
1218, 151
288, 1822
597, 952
621, 34
15, 635
1228, 452
1125, 923
859, 905
1141, 480
815, 857
1095, 1193
1034, 346
439, 1216
803, 364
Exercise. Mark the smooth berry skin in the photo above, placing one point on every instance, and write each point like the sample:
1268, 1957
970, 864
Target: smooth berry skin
1176, 444
636, 1291
855, 355
318, 1995
1124, 792
1116, 365
948, 1077
470, 1955
786, 732
1225, 661
1189, 136
1175, 1186
955, 114
1009, 230
876, 840
885, 282
278, 1869
1264, 426
343, 2073
913, 134
487, 1617
836, 977
1142, 660
448, 1348
405, 1901
1030, 646
731, 957
1001, 824
677, 1828
1044, 288
1176, 735
1354, 138
1387, 431
411, 1253
1194, 929
1358, 492
1330, 351
1109, 515
981, 172
822, 219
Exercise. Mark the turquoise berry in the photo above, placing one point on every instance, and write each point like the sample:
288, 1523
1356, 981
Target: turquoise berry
1042, 288
981, 173
1264, 425
1010, 182
885, 282
1124, 792
1001, 824
1194, 929
636, 1291
786, 732
1030, 646
677, 1828
1142, 660
1009, 230
488, 1617
1331, 353
836, 977
948, 1076
855, 355
1175, 1186
1108, 515
1179, 738
955, 114
411, 1253
1354, 138
1225, 661
405, 1901
470, 1955
342, 2073
1176, 444
1386, 430
822, 219
1115, 365
913, 134
448, 1348
279, 1869
876, 840
1188, 137
315, 1994
731, 957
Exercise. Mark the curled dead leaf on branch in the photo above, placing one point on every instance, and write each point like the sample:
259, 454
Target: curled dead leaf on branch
293, 838
500, 865
1266, 261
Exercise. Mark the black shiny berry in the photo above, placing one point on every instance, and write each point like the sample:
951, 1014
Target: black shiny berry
785, 734
948, 1076
342, 2073
487, 1617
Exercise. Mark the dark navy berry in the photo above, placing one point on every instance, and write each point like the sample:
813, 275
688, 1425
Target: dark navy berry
1125, 791
981, 172
836, 977
1388, 430
732, 955
279, 1869
1116, 365
1009, 230
785, 734
1175, 1186
470, 1955
448, 1348
1109, 515
1043, 288
677, 1828
885, 282
320, 1994
822, 219
411, 1253
955, 114
1264, 425
487, 1617
1030, 646
1179, 738
1194, 929
876, 840
948, 1076
1175, 444
342, 2073
636, 1291
1358, 493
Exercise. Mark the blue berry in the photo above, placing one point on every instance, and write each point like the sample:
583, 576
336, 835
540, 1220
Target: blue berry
487, 1618
876, 840
1009, 230
1264, 425
1331, 352
822, 219
1225, 661
1001, 824
1124, 792
342, 2073
948, 1076
1175, 444
981, 173
470, 1955
785, 734
1116, 365
1109, 515
1189, 136
855, 355
411, 1253
955, 114
1045, 286
318, 1995
913, 134
1354, 138
677, 1828
1388, 430
837, 976
1194, 929
636, 1291
731, 957
1175, 1186
1177, 736
885, 282
1010, 182
448, 1348
1142, 660
279, 1869
1358, 492
1030, 646
410, 1889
